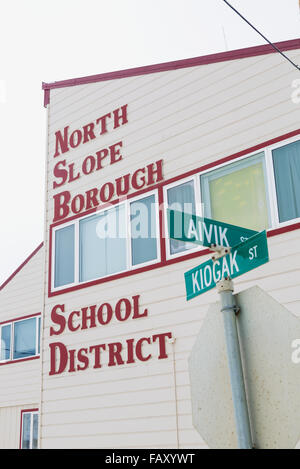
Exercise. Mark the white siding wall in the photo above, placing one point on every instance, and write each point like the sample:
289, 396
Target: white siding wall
10, 418
20, 382
188, 117
23, 294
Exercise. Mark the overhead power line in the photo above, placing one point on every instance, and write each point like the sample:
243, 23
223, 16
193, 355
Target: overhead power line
264, 37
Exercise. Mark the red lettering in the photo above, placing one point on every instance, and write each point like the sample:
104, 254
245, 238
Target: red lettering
88, 132
136, 308
155, 169
97, 348
100, 156
60, 173
134, 180
138, 349
82, 358
162, 343
58, 319
127, 309
114, 350
130, 355
91, 199
81, 202
75, 138
120, 115
106, 192
63, 358
71, 327
104, 314
71, 173
125, 189
115, 152
88, 165
90, 317
72, 360
103, 123
60, 356
61, 208
63, 203
61, 142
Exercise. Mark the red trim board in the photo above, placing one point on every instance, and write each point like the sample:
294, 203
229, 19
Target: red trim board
21, 266
173, 65
20, 318
18, 360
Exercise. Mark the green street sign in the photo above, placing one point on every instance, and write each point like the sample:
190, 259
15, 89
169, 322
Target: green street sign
242, 258
191, 228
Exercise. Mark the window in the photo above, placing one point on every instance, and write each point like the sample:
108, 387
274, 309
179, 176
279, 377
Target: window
286, 161
115, 240
237, 194
182, 198
24, 338
29, 429
143, 230
102, 244
257, 191
5, 334
20, 339
64, 256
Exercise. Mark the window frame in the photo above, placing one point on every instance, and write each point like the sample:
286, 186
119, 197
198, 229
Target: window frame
157, 225
11, 336
271, 194
76, 259
198, 207
32, 412
12, 323
242, 159
129, 267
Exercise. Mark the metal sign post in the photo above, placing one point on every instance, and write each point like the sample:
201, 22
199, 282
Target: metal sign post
237, 251
229, 310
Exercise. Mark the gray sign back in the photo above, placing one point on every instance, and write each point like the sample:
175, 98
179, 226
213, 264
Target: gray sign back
267, 331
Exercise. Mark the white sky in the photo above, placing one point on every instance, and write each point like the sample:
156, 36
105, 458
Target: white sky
61, 39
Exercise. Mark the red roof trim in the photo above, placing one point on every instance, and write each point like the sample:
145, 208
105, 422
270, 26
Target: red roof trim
21, 266
162, 67
46, 97
20, 360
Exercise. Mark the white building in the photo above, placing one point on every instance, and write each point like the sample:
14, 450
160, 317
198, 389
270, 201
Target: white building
218, 135
21, 300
